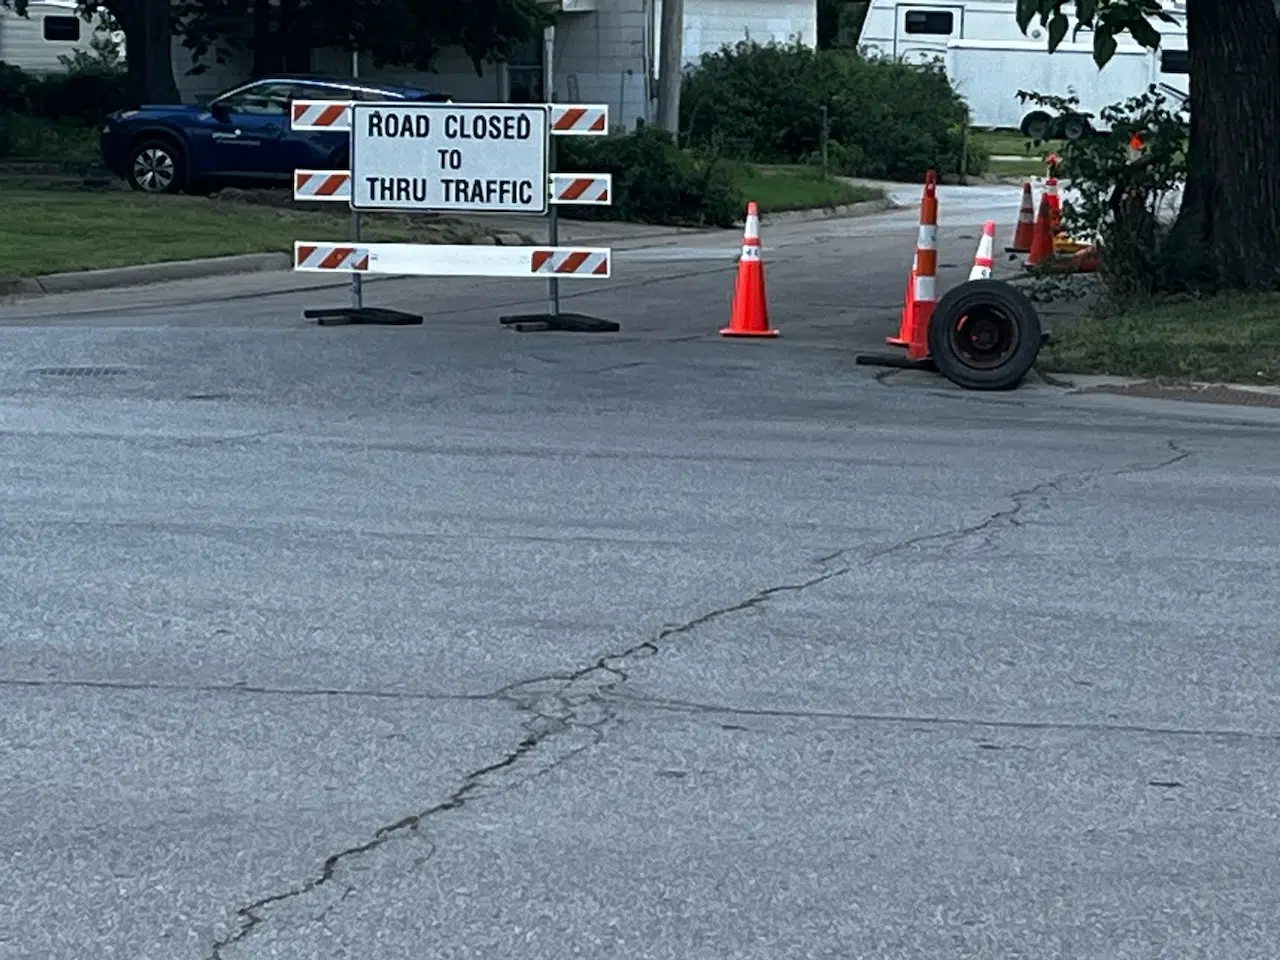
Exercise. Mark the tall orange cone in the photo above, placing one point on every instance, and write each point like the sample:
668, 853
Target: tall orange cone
1042, 243
919, 302
749, 315
984, 259
1026, 229
923, 292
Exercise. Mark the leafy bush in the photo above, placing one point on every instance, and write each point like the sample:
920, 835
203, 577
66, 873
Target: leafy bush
885, 118
64, 141
653, 180
1124, 202
87, 92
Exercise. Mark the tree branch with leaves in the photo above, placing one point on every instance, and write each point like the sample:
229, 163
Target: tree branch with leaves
1229, 221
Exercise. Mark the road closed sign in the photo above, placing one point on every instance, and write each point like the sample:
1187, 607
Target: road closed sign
449, 158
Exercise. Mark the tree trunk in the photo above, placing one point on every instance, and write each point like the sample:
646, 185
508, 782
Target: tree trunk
266, 52
1228, 228
148, 38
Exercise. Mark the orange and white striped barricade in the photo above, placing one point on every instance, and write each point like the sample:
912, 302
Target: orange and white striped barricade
454, 158
583, 189
452, 260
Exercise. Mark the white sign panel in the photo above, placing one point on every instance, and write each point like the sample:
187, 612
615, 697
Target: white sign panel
449, 158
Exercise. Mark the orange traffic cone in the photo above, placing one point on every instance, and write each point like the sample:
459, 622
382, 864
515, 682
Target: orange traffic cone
983, 260
1042, 243
749, 315
1026, 229
908, 307
1055, 206
913, 332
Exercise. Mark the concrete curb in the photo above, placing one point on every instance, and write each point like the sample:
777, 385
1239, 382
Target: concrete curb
863, 208
81, 281
1076, 382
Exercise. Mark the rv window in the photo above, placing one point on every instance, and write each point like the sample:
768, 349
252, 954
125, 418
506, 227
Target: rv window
1175, 61
929, 21
62, 29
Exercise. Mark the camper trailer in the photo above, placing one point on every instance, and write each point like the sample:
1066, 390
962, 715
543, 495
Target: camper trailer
51, 29
988, 60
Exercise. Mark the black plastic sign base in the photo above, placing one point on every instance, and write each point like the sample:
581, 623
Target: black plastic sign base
365, 316
568, 322
894, 360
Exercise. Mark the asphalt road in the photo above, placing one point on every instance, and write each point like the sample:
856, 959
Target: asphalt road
454, 642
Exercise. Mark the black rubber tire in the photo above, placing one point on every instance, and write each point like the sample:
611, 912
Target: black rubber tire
1074, 128
150, 173
1037, 126
1011, 306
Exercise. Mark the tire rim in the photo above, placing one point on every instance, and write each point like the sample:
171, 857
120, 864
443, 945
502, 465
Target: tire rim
1073, 130
985, 338
1038, 129
153, 169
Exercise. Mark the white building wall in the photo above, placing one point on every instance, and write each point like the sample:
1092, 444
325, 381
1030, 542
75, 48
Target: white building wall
603, 57
710, 24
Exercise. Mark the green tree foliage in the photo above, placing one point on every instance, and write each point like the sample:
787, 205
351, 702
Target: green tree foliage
281, 33
1228, 226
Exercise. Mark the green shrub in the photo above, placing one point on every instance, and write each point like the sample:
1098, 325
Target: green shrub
85, 93
14, 84
30, 138
653, 180
86, 97
885, 119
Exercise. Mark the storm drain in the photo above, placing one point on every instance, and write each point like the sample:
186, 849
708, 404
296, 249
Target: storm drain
81, 371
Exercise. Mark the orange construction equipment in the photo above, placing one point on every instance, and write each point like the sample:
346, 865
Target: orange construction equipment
984, 259
1042, 242
749, 314
1026, 229
922, 291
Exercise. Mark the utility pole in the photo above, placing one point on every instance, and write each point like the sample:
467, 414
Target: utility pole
670, 65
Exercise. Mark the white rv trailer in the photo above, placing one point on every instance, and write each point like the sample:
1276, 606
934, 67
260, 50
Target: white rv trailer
50, 30
988, 59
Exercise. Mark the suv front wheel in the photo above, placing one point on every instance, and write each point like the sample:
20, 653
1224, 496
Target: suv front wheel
156, 166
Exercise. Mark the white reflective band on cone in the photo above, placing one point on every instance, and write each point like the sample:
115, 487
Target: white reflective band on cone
750, 252
925, 289
928, 237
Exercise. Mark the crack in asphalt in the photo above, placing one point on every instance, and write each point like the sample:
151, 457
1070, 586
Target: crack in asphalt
583, 701
246, 689
694, 707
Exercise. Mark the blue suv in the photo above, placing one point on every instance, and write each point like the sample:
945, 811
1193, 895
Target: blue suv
239, 138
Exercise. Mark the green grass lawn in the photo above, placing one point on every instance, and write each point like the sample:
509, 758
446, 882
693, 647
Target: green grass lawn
1010, 143
1233, 339
50, 231
777, 188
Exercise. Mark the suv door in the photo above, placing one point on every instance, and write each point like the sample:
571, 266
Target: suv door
251, 127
